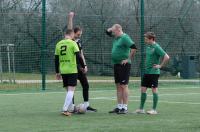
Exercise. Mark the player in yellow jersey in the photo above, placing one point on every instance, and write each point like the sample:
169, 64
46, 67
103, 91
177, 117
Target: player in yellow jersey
66, 57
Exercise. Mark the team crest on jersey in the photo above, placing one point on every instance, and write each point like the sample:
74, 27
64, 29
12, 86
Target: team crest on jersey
152, 50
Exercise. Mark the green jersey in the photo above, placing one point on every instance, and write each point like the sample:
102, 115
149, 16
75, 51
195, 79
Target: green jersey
66, 50
121, 48
153, 54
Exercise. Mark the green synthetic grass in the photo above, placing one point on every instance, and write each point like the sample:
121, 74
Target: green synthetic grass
5, 86
26, 108
39, 111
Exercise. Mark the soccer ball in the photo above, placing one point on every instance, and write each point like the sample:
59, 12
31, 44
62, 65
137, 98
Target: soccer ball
80, 109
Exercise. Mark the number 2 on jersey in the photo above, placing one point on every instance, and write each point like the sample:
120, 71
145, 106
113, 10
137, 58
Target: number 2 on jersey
63, 50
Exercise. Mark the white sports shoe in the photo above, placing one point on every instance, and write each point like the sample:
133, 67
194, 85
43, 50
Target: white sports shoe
140, 111
152, 112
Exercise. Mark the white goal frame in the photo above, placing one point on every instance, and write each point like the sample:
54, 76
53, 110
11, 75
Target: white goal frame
10, 60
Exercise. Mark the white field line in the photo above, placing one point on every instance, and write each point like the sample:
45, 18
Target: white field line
114, 98
169, 102
101, 91
150, 95
98, 81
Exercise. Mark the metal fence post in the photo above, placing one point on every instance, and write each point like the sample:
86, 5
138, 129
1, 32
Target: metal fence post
142, 37
43, 46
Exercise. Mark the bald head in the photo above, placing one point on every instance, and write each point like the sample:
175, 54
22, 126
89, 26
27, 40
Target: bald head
117, 27
117, 30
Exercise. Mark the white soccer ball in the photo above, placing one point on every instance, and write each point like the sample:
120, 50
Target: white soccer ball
80, 109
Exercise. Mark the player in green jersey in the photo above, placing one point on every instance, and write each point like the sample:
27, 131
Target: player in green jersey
152, 71
123, 51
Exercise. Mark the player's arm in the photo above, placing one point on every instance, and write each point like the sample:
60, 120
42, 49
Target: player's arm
133, 52
57, 63
164, 60
70, 20
83, 57
131, 55
58, 76
109, 32
79, 59
128, 42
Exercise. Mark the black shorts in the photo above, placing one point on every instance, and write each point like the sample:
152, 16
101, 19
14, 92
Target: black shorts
122, 73
150, 80
69, 79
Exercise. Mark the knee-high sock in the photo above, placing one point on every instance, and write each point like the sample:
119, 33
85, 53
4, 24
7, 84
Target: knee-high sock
68, 100
142, 100
155, 100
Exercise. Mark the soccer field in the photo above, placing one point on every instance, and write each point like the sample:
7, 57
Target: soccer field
40, 111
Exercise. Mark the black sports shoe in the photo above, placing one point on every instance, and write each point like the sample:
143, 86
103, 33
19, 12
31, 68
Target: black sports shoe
90, 109
122, 111
116, 110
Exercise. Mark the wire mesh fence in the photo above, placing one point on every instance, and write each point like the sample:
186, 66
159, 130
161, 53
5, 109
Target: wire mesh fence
176, 24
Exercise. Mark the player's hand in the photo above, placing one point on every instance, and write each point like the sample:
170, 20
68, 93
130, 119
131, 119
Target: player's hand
124, 62
81, 69
109, 29
58, 76
71, 14
85, 70
156, 66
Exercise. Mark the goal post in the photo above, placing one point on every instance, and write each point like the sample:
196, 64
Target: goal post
7, 54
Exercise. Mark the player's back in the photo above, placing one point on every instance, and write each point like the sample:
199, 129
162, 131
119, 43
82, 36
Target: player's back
66, 50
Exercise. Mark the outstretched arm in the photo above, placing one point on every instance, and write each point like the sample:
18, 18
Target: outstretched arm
70, 20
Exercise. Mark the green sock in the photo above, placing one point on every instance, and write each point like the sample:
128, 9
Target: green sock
143, 99
155, 100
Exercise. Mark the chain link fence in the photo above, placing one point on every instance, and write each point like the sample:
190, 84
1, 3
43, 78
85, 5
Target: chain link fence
176, 24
